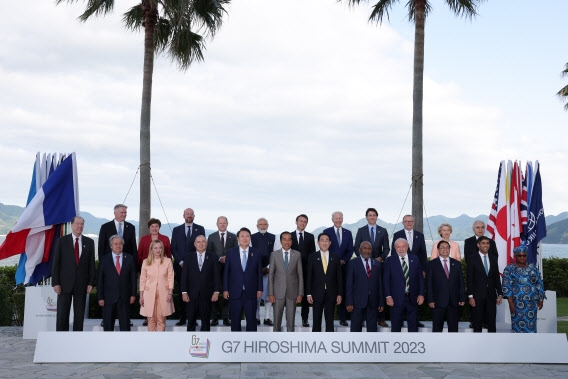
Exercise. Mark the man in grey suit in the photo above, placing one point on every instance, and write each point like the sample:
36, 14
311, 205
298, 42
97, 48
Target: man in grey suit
285, 282
219, 242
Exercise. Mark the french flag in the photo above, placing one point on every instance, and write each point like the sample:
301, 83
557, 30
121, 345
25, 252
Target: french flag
56, 201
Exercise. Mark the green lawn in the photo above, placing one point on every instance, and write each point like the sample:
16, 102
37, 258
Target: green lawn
562, 306
562, 327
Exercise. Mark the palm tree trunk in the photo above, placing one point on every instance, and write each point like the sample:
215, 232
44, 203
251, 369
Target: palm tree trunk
150, 18
417, 97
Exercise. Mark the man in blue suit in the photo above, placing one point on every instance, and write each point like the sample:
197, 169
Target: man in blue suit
242, 281
404, 286
116, 285
378, 237
445, 289
364, 289
183, 243
416, 244
342, 246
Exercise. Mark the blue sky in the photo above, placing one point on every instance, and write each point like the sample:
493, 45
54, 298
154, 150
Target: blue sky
301, 106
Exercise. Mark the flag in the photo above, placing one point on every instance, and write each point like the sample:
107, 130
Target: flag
536, 226
514, 203
498, 221
56, 201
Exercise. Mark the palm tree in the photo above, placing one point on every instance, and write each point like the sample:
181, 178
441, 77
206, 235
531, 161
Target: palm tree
563, 93
171, 27
417, 12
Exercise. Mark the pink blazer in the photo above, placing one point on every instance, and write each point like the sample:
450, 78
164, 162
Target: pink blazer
157, 280
454, 250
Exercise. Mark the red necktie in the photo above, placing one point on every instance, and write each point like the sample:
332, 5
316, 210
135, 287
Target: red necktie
368, 268
77, 250
118, 264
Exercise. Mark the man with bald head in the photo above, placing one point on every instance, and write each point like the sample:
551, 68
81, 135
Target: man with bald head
183, 243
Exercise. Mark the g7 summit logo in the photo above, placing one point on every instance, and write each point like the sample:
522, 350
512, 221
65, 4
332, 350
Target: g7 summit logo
198, 348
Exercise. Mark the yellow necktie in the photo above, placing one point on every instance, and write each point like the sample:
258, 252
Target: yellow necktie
324, 261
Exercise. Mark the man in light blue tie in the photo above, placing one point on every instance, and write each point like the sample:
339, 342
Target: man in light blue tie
285, 282
242, 281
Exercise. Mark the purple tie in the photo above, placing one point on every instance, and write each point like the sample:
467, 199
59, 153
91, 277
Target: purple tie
446, 269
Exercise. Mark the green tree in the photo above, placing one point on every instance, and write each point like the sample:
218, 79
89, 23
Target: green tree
418, 10
176, 28
563, 93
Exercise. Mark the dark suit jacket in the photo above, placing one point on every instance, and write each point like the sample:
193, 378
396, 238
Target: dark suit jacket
317, 282
394, 283
380, 247
441, 290
345, 250
112, 287
214, 243
264, 243
128, 235
234, 277
306, 249
470, 248
182, 246
203, 282
360, 290
480, 285
66, 273
418, 246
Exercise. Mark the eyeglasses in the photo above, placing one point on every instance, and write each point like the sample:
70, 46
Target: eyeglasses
522, 255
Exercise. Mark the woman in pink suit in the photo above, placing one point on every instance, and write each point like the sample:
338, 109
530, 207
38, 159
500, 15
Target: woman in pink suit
445, 230
156, 287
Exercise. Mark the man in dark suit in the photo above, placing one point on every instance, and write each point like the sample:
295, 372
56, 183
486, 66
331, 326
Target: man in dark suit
404, 286
304, 242
341, 245
116, 286
470, 244
183, 243
242, 281
416, 244
265, 243
379, 239
73, 275
200, 284
445, 289
124, 229
219, 242
285, 282
470, 249
324, 284
483, 286
364, 289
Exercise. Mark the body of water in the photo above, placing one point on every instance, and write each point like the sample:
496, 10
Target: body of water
549, 250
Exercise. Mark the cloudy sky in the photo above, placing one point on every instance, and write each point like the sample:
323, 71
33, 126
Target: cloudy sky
301, 106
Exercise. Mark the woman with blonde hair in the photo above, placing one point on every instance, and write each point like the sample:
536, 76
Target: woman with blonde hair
445, 230
156, 287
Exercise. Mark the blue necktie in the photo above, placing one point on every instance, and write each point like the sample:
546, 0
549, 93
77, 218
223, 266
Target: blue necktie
485, 264
373, 235
338, 237
120, 229
244, 260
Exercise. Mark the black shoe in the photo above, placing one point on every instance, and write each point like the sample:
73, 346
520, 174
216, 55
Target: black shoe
101, 324
145, 323
226, 322
471, 325
268, 322
383, 324
343, 323
485, 326
131, 324
420, 325
181, 323
257, 321
215, 322
305, 323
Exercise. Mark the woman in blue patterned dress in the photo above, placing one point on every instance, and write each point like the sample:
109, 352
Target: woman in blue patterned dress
523, 288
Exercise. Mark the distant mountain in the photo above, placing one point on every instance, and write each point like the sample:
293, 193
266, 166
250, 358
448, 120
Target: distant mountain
557, 225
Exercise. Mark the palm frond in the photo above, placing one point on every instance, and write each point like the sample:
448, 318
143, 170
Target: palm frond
133, 18
563, 94
97, 8
565, 71
186, 47
208, 15
380, 10
465, 8
411, 5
